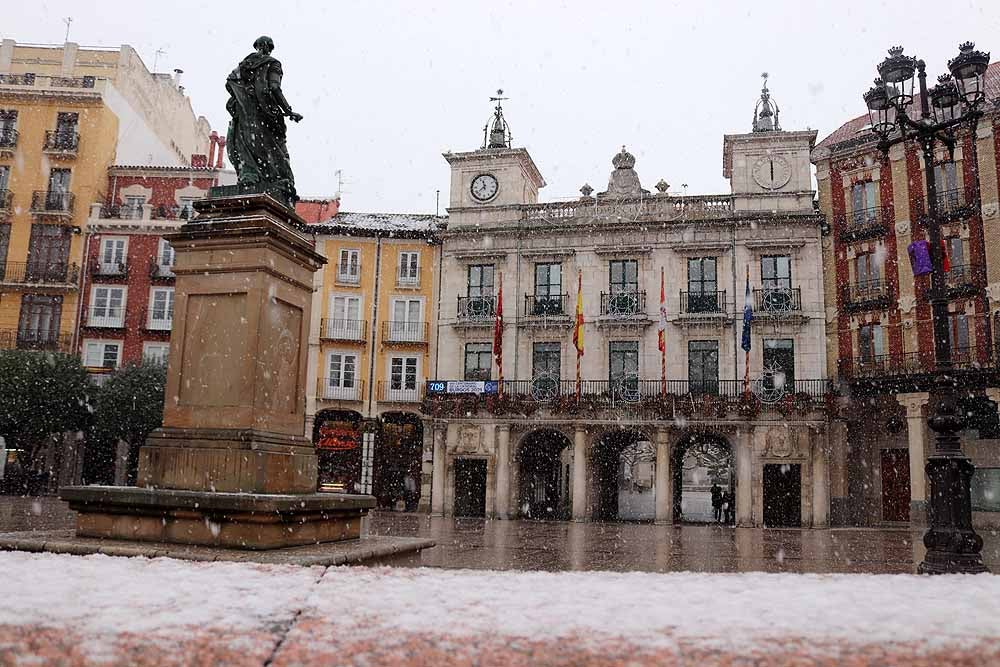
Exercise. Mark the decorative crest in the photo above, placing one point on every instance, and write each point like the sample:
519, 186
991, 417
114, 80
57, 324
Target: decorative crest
765, 113
496, 133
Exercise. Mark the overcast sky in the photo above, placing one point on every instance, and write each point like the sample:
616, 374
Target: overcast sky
386, 87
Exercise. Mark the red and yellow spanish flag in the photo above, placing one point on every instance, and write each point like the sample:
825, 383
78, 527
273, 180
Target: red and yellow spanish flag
578, 328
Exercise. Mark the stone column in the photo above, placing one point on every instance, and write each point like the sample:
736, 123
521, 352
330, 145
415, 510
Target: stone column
744, 479
580, 474
447, 476
664, 494
916, 430
821, 483
503, 471
437, 474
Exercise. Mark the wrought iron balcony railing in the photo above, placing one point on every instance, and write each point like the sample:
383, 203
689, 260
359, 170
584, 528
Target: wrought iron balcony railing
110, 317
693, 303
32, 273
349, 275
405, 332
133, 212
864, 223
110, 269
341, 329
8, 137
951, 201
399, 392
6, 196
623, 305
777, 300
907, 364
158, 320
477, 308
403, 279
62, 141
52, 202
35, 339
340, 389
545, 305
964, 279
868, 294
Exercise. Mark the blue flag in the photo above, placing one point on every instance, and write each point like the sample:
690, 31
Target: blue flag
747, 316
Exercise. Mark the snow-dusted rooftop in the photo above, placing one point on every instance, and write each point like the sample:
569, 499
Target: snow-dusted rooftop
380, 222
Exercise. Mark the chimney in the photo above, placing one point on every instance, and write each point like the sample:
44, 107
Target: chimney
222, 144
212, 139
177, 78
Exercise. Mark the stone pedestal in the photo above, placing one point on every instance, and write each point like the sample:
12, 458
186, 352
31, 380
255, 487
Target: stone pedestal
230, 466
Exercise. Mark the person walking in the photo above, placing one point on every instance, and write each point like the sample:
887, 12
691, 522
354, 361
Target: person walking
717, 502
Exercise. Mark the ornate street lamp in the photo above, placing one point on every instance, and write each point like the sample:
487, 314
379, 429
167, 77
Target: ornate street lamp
952, 544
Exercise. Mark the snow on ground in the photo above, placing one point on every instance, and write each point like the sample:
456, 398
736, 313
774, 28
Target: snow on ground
169, 610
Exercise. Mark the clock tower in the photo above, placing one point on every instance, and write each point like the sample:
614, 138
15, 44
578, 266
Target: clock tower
768, 168
489, 182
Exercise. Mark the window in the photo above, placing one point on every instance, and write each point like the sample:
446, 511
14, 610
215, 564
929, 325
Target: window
342, 379
871, 344
113, 254
185, 211
480, 304
956, 256
703, 366
868, 275
546, 371
345, 318
478, 361
57, 197
623, 366
779, 364
4, 181
107, 307
165, 255
409, 268
958, 337
402, 379
349, 266
132, 210
776, 272
156, 353
481, 280
945, 177
703, 286
406, 324
864, 202
161, 308
59, 181
548, 290
101, 353
4, 244
8, 129
624, 276
48, 253
39, 320
67, 122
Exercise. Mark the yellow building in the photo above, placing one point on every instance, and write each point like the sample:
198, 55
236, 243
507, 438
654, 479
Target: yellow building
371, 348
67, 113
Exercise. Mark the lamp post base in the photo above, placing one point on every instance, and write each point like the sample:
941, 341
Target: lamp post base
953, 546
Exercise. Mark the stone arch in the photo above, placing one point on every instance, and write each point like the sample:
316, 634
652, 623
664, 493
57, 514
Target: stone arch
544, 474
623, 464
337, 438
396, 463
700, 462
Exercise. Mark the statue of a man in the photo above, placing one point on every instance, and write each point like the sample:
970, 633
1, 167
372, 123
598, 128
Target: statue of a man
256, 142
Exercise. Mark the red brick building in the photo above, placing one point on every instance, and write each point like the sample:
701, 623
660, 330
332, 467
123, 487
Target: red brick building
127, 285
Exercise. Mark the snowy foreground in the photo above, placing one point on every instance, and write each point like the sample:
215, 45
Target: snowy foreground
59, 609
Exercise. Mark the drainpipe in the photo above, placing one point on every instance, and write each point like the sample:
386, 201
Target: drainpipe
736, 336
371, 360
517, 297
437, 324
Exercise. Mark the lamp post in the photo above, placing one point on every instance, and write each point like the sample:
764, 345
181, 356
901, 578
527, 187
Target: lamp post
952, 544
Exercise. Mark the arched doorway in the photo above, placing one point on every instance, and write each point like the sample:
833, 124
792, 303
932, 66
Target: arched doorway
624, 465
337, 437
704, 470
544, 475
397, 462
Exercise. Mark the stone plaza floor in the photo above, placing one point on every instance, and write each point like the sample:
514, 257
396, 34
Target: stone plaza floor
554, 546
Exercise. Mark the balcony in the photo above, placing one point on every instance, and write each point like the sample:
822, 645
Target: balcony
777, 301
350, 275
477, 310
58, 204
405, 332
964, 280
952, 203
6, 196
912, 365
625, 305
335, 389
545, 305
866, 295
864, 223
341, 329
62, 142
394, 392
703, 303
159, 321
36, 339
144, 212
405, 281
21, 273
111, 270
8, 138
159, 271
109, 317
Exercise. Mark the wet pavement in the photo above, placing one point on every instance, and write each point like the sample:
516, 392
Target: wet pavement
554, 546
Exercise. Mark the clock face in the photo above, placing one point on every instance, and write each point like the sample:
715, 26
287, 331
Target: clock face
484, 187
772, 172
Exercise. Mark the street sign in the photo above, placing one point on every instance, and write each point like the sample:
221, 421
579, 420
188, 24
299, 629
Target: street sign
462, 387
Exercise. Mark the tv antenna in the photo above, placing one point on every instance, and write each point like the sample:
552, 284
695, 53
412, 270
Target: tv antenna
68, 21
156, 57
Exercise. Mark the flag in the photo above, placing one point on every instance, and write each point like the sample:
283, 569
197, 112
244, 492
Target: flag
747, 316
578, 328
662, 327
945, 261
498, 331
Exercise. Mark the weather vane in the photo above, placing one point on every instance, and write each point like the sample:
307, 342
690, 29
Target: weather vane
496, 133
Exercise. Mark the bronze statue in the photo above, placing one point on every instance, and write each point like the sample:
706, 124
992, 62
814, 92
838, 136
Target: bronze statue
256, 142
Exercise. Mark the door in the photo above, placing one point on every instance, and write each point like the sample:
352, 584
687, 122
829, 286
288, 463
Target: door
623, 367
38, 325
779, 362
470, 487
782, 495
112, 256
548, 290
345, 318
703, 286
405, 325
546, 371
48, 253
895, 485
703, 366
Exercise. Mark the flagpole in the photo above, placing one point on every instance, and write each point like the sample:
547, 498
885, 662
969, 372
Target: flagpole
498, 337
578, 329
663, 339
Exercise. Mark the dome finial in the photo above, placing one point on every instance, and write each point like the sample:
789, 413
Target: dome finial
765, 113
